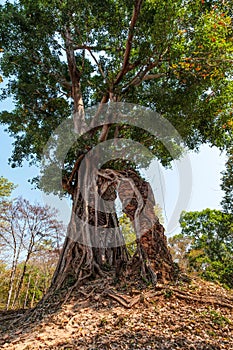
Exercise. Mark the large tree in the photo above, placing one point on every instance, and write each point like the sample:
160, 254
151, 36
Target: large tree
61, 57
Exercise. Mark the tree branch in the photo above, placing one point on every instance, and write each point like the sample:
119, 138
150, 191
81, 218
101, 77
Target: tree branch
153, 76
129, 42
92, 48
137, 79
97, 63
75, 169
104, 133
142, 74
93, 126
75, 76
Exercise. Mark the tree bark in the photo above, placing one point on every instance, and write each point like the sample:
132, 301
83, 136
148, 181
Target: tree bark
94, 242
152, 250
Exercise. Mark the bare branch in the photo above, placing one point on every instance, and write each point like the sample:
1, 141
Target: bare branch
92, 48
98, 64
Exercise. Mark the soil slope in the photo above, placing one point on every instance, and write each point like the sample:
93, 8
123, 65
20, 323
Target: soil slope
196, 315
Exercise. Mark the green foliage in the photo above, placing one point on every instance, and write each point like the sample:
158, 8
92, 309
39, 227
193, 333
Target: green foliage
36, 280
179, 64
159, 213
6, 187
227, 184
210, 251
168, 293
217, 317
4, 283
128, 233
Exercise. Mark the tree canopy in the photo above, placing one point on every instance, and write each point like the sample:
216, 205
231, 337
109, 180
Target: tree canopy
174, 57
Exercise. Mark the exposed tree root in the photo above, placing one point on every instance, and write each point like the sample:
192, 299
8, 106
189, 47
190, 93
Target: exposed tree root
209, 300
144, 297
121, 300
87, 296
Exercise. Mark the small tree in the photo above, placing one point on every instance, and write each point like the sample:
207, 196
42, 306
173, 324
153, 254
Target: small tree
128, 233
179, 246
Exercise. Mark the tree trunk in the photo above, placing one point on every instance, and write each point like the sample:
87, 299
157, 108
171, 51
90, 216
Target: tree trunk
27, 292
12, 279
21, 279
34, 290
152, 251
95, 245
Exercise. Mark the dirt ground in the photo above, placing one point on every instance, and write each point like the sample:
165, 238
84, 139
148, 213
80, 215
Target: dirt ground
189, 316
